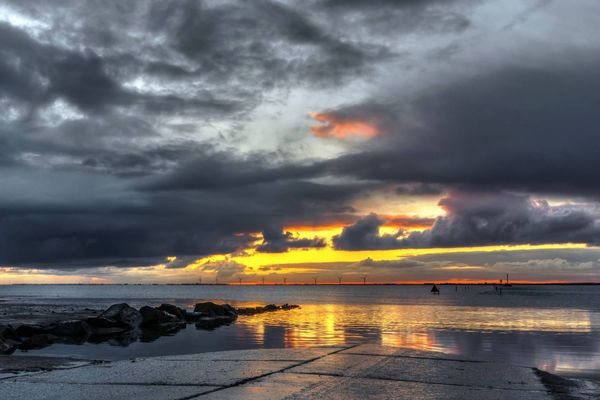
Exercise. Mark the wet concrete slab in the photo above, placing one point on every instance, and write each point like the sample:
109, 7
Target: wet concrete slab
312, 387
426, 370
345, 373
164, 372
298, 354
55, 391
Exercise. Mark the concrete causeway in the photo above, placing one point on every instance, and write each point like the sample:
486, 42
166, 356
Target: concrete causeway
365, 371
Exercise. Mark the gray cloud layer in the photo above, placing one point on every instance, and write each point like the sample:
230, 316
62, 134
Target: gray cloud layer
480, 219
125, 135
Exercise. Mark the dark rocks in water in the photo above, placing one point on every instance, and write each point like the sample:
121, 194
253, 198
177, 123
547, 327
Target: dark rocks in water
30, 330
154, 316
177, 312
267, 308
123, 314
210, 323
121, 325
8, 333
6, 347
211, 309
153, 332
100, 326
191, 316
38, 341
9, 340
250, 310
72, 328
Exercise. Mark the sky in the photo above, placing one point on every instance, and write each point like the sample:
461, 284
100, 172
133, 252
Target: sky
164, 141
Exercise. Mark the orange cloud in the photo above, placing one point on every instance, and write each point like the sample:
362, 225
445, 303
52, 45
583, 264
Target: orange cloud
336, 127
390, 221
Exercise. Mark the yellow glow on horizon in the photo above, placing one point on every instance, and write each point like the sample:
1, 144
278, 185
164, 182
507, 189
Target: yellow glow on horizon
328, 254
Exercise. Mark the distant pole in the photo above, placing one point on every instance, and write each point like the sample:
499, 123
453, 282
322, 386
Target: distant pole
284, 281
240, 280
364, 278
263, 280
216, 280
339, 280
315, 279
199, 281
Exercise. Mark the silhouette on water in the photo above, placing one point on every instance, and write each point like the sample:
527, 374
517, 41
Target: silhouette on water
435, 290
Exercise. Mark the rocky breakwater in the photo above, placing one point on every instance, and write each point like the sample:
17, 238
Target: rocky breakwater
121, 325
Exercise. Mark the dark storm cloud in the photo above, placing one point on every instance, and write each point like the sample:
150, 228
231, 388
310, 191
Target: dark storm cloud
364, 235
93, 229
35, 73
108, 110
525, 128
480, 219
420, 189
258, 40
275, 240
218, 170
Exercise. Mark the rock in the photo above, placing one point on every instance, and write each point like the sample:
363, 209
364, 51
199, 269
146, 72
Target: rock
30, 330
209, 323
153, 332
153, 316
38, 341
72, 329
267, 308
9, 334
211, 309
123, 314
100, 326
191, 316
6, 347
173, 310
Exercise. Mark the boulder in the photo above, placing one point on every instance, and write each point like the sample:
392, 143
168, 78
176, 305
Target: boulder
250, 310
9, 334
191, 316
153, 316
124, 314
37, 341
100, 326
211, 309
30, 330
6, 347
210, 323
177, 312
72, 329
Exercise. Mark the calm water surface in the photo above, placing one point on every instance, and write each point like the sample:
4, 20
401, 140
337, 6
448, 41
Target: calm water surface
556, 328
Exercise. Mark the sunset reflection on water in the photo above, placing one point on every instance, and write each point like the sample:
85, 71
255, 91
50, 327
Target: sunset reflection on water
555, 328
488, 333
331, 324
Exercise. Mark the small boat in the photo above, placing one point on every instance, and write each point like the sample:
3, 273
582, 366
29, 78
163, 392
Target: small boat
435, 290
